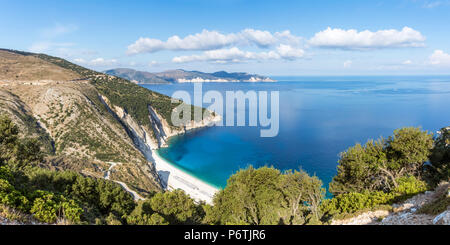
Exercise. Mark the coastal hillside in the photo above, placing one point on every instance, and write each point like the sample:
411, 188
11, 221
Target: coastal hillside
180, 76
31, 194
89, 122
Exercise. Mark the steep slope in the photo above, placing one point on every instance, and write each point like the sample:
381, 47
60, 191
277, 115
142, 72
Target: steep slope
88, 119
22, 114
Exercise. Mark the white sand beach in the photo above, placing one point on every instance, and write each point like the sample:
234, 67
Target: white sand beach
174, 178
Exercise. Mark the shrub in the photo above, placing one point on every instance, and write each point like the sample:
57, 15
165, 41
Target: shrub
439, 169
378, 165
5, 173
71, 211
409, 186
353, 201
176, 207
45, 207
11, 197
156, 219
48, 207
147, 219
112, 219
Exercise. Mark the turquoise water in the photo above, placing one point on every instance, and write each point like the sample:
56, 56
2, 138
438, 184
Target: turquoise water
319, 118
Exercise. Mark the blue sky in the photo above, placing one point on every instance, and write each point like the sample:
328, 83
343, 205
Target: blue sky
266, 37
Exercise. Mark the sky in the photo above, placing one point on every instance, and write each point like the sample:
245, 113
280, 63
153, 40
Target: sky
275, 38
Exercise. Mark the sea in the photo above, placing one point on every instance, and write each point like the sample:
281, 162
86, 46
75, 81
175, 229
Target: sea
319, 117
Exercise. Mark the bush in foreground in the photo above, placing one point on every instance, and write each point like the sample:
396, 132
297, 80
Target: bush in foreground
265, 196
353, 201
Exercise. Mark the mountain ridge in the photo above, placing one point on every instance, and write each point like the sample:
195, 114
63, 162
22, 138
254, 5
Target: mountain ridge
87, 120
183, 76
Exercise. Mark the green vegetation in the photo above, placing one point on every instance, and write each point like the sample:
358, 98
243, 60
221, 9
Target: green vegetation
173, 207
134, 99
353, 202
83, 72
266, 196
68, 197
384, 172
379, 164
373, 176
439, 169
49, 195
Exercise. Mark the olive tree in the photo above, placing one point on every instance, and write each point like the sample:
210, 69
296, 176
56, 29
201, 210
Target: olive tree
439, 169
379, 164
265, 196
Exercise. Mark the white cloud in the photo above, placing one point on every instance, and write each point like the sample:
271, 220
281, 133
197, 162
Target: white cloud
41, 47
153, 63
220, 55
348, 63
233, 55
439, 58
430, 5
97, 62
352, 39
407, 62
58, 30
47, 40
212, 40
289, 53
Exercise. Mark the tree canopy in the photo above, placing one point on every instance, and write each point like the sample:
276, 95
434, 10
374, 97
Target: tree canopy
267, 196
379, 164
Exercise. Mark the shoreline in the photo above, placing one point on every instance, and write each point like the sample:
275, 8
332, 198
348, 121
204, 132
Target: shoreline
175, 178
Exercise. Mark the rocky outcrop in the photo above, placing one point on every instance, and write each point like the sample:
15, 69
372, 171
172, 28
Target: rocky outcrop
149, 139
146, 139
138, 133
442, 219
163, 131
405, 213
366, 218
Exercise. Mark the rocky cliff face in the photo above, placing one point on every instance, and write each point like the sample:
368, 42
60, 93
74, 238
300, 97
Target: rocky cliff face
88, 120
148, 139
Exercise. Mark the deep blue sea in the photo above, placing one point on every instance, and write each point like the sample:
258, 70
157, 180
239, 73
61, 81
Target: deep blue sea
319, 118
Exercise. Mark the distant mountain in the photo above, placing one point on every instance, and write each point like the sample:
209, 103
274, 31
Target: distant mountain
138, 76
239, 76
179, 75
182, 76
